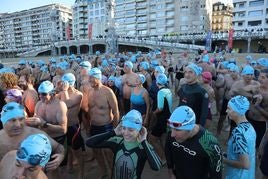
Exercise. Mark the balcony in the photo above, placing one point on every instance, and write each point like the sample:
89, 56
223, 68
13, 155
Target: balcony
141, 5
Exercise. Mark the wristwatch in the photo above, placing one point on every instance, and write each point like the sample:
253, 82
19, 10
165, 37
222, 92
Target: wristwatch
45, 125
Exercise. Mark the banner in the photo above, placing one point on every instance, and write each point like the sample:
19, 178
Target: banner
90, 26
230, 38
209, 41
68, 33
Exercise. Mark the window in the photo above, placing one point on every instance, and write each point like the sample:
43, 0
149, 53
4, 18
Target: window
240, 23
96, 12
256, 3
255, 13
254, 23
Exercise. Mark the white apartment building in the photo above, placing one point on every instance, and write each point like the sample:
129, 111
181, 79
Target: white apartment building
159, 17
250, 14
34, 27
195, 16
90, 12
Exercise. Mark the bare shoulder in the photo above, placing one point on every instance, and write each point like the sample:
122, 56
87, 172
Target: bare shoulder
8, 156
107, 90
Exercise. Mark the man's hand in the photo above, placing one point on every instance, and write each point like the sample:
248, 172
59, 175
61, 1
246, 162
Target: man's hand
65, 86
142, 134
55, 163
34, 121
118, 129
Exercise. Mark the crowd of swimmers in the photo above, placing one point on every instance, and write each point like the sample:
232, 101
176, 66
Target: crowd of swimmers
121, 107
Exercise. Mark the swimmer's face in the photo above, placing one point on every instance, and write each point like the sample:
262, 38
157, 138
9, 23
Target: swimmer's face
94, 82
83, 71
130, 134
190, 76
126, 69
44, 97
25, 170
180, 135
14, 126
233, 74
22, 83
247, 78
231, 113
263, 79
110, 83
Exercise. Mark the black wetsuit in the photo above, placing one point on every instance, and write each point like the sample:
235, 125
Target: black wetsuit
129, 158
196, 98
198, 157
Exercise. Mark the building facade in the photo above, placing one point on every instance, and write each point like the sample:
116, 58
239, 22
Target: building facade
250, 14
90, 18
195, 16
35, 27
222, 17
160, 17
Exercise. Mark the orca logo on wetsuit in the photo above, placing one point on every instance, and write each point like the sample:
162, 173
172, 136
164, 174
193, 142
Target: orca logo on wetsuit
219, 163
185, 149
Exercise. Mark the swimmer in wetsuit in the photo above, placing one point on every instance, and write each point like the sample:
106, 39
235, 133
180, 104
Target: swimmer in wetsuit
130, 147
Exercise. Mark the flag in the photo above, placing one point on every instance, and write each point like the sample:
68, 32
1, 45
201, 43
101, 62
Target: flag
68, 33
209, 41
230, 38
90, 31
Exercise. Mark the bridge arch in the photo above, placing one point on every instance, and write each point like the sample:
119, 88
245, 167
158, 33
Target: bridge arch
63, 50
73, 49
98, 47
84, 49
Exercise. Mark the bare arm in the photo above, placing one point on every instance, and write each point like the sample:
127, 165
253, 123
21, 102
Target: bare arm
147, 102
114, 106
71, 102
242, 162
61, 118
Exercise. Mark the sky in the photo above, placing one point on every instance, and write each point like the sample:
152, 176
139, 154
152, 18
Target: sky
18, 5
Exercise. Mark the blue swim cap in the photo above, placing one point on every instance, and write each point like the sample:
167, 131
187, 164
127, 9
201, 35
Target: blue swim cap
97, 52
35, 150
104, 63
248, 70
239, 104
112, 78
85, 64
161, 79
253, 62
41, 63
62, 65
96, 73
233, 68
205, 58
182, 118
10, 111
7, 70
69, 77
142, 78
132, 119
53, 60
195, 68
160, 69
133, 58
249, 58
45, 87
145, 65
263, 62
129, 64
22, 62
154, 63
232, 60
